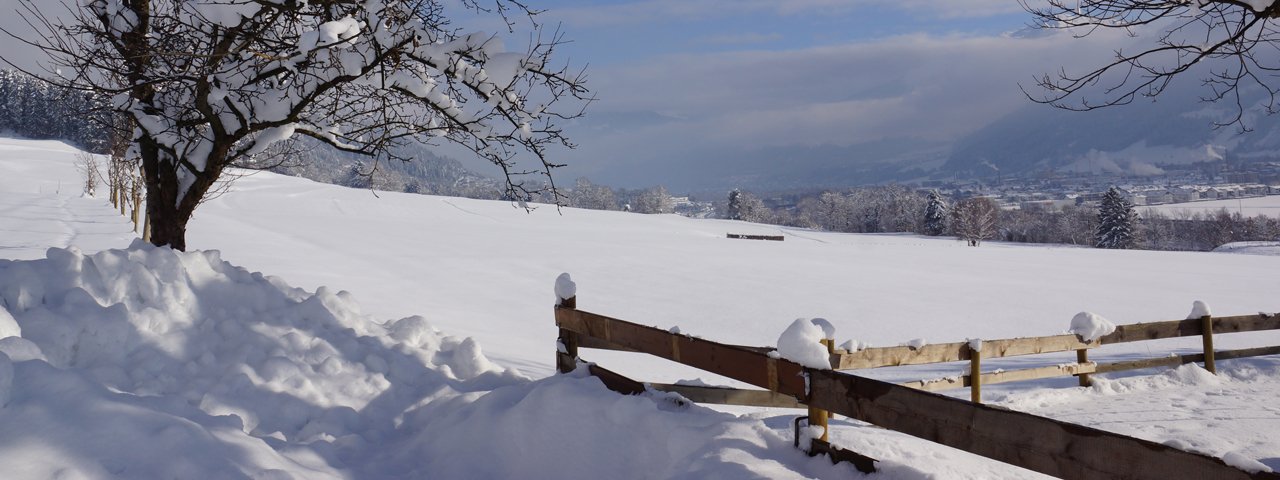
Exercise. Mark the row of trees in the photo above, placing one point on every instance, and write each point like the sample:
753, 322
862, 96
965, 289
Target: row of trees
1114, 223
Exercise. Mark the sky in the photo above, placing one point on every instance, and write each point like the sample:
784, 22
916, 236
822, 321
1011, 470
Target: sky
685, 87
688, 82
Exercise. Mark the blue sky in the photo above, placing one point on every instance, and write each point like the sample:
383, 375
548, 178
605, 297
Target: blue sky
617, 32
700, 82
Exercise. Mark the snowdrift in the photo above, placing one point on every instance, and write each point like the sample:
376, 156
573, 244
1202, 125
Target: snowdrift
152, 363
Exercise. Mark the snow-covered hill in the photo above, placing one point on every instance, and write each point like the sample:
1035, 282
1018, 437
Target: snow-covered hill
418, 340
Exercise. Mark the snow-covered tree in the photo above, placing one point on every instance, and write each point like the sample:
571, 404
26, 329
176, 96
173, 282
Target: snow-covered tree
752, 209
734, 210
595, 197
1231, 43
214, 82
935, 215
1116, 221
653, 200
974, 220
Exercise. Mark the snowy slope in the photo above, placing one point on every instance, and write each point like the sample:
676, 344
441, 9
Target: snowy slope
1268, 206
196, 354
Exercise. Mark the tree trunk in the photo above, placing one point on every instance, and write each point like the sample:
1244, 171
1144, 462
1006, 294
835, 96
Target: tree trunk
168, 228
168, 208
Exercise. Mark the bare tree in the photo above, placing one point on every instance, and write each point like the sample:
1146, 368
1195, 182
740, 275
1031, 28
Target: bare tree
975, 220
1233, 42
87, 165
214, 83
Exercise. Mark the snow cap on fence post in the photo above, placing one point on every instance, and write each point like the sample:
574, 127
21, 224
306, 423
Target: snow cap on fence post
802, 342
1199, 309
1091, 326
566, 291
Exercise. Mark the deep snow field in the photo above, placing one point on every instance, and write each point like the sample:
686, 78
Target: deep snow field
409, 336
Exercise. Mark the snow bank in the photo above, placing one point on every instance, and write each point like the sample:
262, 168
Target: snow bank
802, 343
8, 326
191, 353
541, 430
1090, 326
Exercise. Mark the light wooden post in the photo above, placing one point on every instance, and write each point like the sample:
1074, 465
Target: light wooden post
1206, 332
137, 207
567, 360
818, 417
1082, 357
975, 374
146, 227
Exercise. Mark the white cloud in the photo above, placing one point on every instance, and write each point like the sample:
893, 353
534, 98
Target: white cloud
741, 39
643, 11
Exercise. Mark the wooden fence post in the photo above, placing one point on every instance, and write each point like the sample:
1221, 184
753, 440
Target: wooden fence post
567, 351
137, 207
817, 416
1206, 332
975, 373
1082, 356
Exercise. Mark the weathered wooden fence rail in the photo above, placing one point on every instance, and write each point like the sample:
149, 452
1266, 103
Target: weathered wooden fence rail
1204, 327
1041, 444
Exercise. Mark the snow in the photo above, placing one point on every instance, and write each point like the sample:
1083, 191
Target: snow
8, 326
565, 288
1199, 309
975, 344
1186, 407
210, 370
1259, 5
1090, 326
801, 342
1239, 460
828, 330
915, 343
1268, 206
853, 345
1250, 248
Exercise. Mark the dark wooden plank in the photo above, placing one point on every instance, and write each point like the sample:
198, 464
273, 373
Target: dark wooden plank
615, 381
776, 238
730, 396
1246, 323
861, 462
747, 365
1041, 444
1191, 327
1248, 352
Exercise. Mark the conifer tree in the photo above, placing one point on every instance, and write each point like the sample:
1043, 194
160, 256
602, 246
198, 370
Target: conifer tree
735, 205
935, 215
1116, 221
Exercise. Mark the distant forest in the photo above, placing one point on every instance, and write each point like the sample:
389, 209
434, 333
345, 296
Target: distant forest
897, 208
30, 108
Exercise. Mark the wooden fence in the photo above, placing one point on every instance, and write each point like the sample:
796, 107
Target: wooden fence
1041, 444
